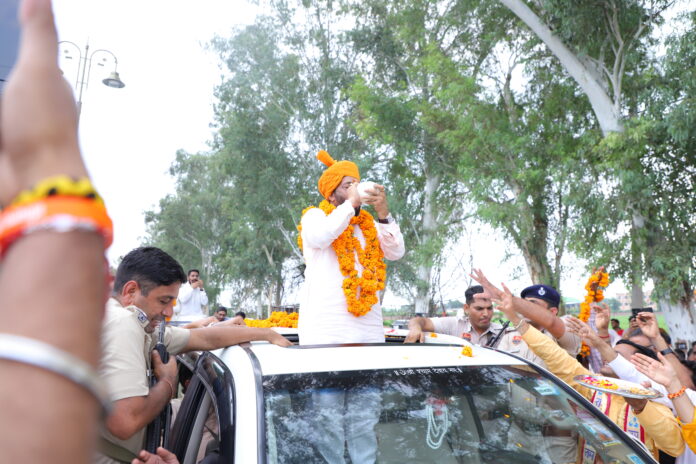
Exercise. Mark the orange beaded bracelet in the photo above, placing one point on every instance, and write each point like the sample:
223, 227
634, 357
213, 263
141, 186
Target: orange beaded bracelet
672, 396
54, 213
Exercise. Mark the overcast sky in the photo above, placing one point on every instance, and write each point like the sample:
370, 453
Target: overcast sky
129, 136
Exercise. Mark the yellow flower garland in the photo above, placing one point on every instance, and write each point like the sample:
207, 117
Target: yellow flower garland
360, 292
277, 319
595, 293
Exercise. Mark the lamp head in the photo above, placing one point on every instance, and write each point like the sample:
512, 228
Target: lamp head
114, 81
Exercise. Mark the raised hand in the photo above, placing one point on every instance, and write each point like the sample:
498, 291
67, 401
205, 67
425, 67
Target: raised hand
648, 324
490, 290
659, 371
602, 315
583, 330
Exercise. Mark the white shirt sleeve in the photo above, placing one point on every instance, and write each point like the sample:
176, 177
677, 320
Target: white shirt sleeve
391, 240
320, 231
204, 297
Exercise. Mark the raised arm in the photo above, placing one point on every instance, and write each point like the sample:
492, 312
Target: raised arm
538, 315
648, 325
662, 372
320, 230
52, 284
212, 338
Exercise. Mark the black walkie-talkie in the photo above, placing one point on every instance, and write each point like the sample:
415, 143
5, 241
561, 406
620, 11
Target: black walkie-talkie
157, 433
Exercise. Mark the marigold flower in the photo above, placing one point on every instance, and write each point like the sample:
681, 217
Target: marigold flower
371, 258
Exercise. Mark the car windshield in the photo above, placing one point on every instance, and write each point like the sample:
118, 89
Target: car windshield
478, 414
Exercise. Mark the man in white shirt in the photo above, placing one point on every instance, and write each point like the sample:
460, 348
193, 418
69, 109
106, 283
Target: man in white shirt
344, 249
192, 299
339, 300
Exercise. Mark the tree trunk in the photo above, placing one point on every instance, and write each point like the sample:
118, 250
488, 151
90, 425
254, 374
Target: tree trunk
602, 106
680, 319
636, 264
425, 268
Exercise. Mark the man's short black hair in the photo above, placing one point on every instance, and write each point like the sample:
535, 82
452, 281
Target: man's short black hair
471, 291
150, 267
193, 270
222, 308
616, 320
240, 313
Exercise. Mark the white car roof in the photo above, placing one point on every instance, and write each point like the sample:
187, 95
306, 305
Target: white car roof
274, 360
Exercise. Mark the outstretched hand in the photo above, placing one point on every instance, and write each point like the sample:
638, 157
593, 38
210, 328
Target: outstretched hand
602, 315
506, 303
38, 115
584, 331
648, 325
659, 371
490, 291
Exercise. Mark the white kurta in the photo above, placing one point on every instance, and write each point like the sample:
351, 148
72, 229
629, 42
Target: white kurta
190, 302
324, 316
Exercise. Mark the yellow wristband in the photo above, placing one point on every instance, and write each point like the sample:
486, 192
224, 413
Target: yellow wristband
58, 186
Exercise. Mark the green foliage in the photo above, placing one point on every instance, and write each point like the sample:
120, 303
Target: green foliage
464, 115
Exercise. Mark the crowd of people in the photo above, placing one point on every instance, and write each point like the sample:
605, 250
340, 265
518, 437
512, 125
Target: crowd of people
89, 377
642, 355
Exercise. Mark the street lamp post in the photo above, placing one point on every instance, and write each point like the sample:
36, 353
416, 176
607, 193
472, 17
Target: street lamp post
84, 70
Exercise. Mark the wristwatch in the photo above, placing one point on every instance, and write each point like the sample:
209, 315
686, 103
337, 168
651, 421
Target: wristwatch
387, 220
667, 351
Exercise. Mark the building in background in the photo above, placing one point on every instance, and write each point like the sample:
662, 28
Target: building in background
625, 300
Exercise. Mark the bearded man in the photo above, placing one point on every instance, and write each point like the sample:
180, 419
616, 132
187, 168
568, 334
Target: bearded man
344, 250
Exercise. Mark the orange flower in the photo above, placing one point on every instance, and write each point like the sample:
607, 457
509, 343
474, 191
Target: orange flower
277, 319
595, 294
371, 258
466, 351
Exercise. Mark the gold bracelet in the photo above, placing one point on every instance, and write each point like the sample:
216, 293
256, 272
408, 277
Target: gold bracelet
58, 185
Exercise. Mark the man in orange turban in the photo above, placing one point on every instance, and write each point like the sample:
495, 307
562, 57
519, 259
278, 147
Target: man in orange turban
344, 249
339, 302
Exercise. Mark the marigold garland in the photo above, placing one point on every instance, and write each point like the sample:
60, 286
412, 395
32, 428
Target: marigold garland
360, 291
277, 319
595, 286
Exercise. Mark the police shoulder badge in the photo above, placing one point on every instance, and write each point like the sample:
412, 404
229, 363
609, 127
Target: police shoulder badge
516, 340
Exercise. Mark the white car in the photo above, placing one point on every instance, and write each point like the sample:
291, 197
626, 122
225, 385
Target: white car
414, 403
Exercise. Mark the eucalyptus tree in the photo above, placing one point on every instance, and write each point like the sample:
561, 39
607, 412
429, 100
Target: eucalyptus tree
279, 102
602, 44
188, 224
398, 42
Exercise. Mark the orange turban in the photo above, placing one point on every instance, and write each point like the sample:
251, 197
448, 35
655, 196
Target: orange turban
334, 173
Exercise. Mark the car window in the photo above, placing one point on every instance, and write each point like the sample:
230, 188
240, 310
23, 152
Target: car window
206, 409
478, 414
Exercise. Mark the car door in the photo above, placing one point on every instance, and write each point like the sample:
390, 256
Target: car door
203, 430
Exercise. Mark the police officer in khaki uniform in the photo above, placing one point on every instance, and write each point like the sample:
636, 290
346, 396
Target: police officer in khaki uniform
473, 325
146, 285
